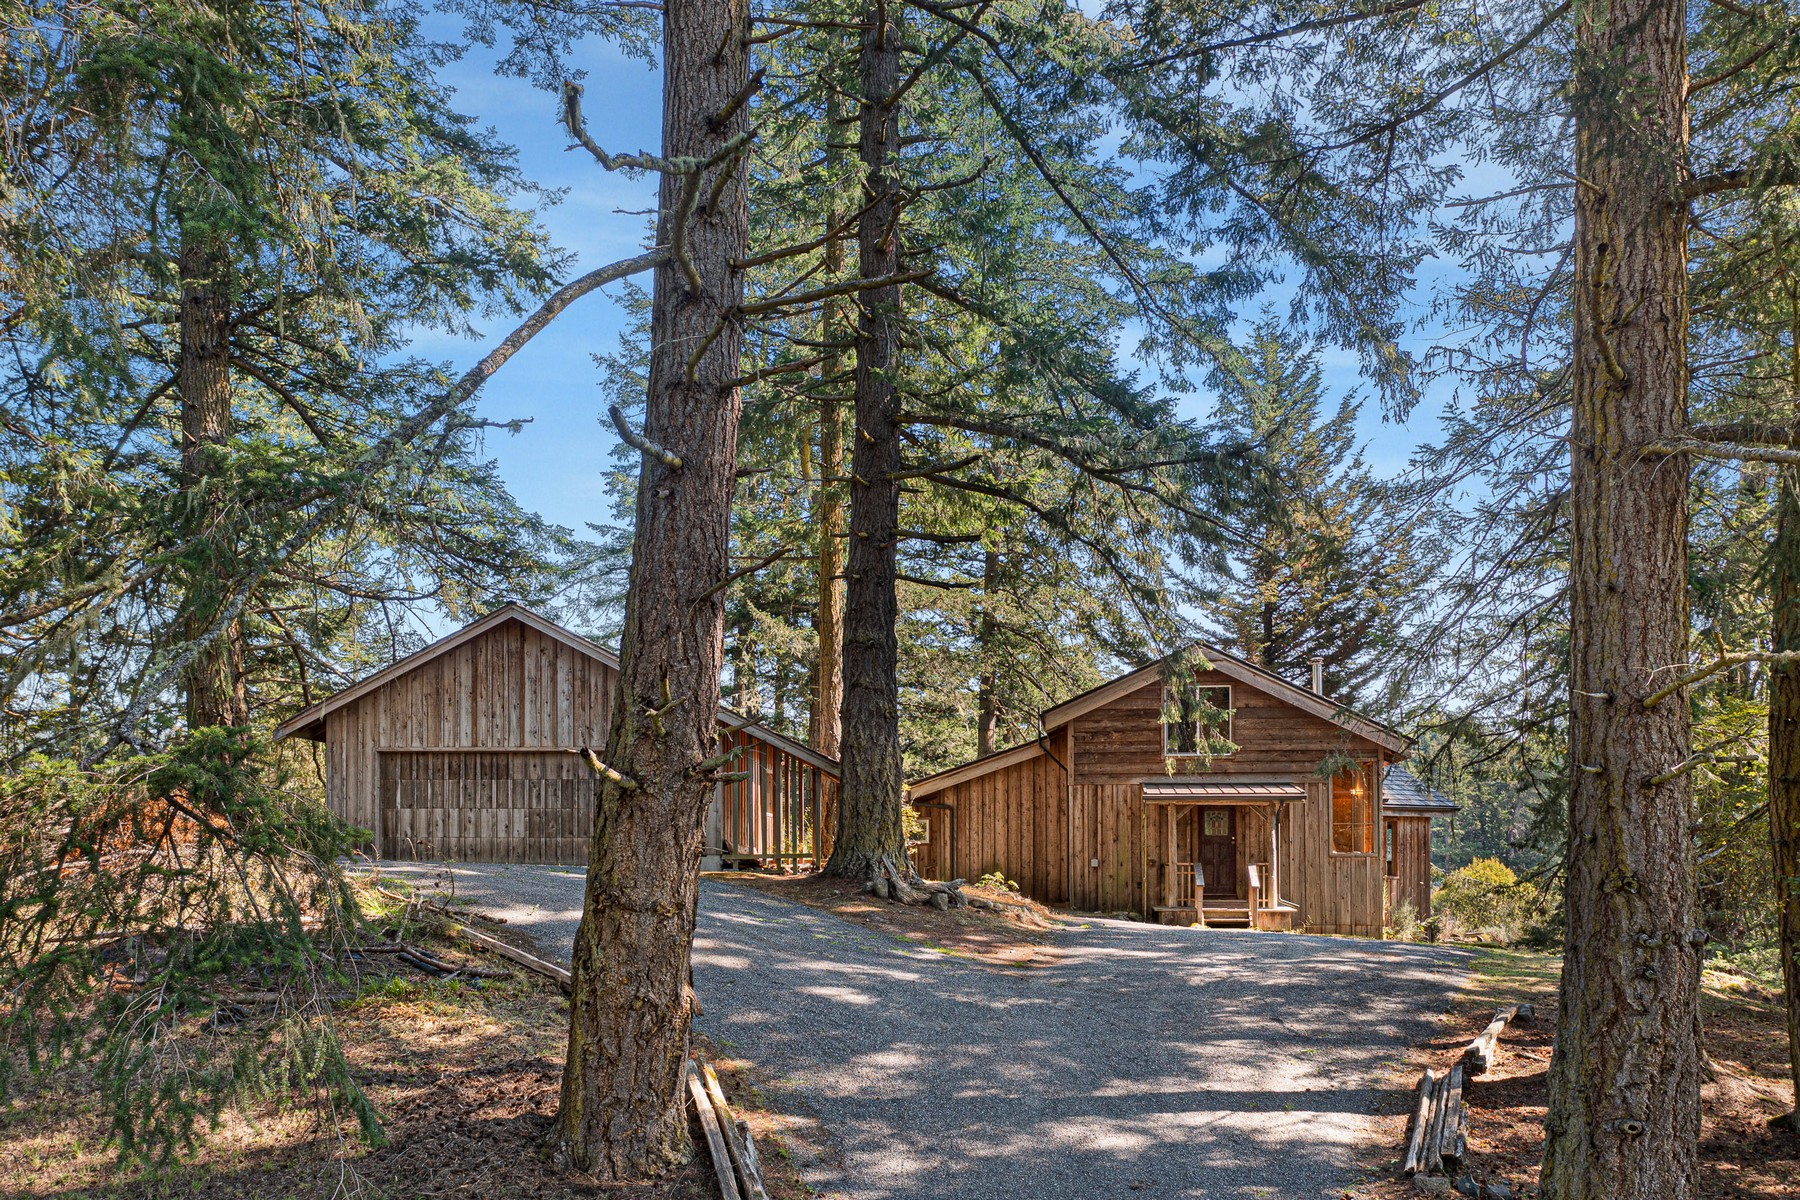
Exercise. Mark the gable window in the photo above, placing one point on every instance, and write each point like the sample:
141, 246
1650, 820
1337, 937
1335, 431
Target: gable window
1353, 810
1197, 722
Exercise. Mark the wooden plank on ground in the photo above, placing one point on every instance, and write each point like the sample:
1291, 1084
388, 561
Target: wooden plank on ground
1484, 1051
737, 1140
715, 1137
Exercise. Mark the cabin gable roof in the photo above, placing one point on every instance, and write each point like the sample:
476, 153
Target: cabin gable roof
1241, 671
932, 784
1238, 670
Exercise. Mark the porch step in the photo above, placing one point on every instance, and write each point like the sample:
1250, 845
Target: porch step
1225, 914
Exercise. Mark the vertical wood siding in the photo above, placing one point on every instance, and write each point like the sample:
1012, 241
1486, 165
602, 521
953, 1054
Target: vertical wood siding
471, 755
1411, 880
1012, 820
1111, 853
783, 813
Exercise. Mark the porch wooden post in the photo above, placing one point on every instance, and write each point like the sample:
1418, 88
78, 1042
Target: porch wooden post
1169, 856
1275, 807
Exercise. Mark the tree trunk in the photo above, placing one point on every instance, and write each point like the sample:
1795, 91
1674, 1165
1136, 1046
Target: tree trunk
1784, 751
1624, 1106
828, 512
216, 692
987, 706
622, 1113
871, 843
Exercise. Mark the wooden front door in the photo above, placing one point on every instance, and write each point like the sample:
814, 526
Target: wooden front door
1218, 850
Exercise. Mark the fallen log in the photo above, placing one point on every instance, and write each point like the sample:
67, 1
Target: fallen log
549, 970
1484, 1051
715, 1137
1434, 1130
1421, 1122
737, 1137
437, 966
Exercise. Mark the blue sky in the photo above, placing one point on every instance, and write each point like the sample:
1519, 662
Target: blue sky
556, 465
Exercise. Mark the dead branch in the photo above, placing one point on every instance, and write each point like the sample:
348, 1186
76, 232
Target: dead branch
754, 567
605, 772
639, 442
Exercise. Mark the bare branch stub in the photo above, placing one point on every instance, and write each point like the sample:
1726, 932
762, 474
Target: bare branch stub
605, 772
738, 574
639, 442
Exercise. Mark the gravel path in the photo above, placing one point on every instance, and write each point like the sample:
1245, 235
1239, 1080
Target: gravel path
1150, 1062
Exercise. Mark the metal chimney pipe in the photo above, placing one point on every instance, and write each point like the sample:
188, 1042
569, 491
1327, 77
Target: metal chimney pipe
1318, 666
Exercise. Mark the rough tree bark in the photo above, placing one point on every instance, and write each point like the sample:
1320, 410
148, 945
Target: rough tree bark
828, 513
621, 1114
871, 842
1624, 1107
216, 691
1784, 750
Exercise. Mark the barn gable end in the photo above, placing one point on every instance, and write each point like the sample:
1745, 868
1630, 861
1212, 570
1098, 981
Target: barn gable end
469, 750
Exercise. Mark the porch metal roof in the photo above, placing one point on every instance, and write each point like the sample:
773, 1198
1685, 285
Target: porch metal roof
1216, 790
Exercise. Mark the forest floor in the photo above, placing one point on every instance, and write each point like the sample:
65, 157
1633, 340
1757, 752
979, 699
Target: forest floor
1014, 932
465, 1077
1742, 1157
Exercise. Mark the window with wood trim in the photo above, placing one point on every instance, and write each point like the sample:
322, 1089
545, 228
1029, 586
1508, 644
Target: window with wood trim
1197, 722
1353, 810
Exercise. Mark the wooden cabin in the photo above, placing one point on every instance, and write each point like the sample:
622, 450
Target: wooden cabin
470, 750
1211, 790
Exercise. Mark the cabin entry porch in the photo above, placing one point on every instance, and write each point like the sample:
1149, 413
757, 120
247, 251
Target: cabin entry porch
1214, 852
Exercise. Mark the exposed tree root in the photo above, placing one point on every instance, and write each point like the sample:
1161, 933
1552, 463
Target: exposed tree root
904, 886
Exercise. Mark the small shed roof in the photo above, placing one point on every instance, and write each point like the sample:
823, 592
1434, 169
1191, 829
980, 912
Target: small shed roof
1402, 791
1219, 789
310, 723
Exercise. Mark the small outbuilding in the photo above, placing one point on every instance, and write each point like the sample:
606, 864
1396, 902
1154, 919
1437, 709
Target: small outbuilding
469, 750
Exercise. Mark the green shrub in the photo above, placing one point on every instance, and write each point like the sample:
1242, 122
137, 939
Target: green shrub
998, 881
1487, 900
1403, 922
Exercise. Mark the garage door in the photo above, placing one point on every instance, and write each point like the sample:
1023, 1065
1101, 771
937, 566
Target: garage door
486, 806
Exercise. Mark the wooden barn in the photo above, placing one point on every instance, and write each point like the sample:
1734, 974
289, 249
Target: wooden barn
470, 750
1194, 791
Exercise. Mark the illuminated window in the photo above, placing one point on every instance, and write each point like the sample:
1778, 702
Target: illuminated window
1353, 810
1197, 722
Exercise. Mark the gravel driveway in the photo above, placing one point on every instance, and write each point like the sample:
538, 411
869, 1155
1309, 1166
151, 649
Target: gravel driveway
1149, 1062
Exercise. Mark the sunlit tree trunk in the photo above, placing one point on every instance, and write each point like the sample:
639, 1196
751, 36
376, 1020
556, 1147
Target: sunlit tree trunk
828, 512
987, 703
1624, 1106
1784, 749
622, 1113
871, 843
